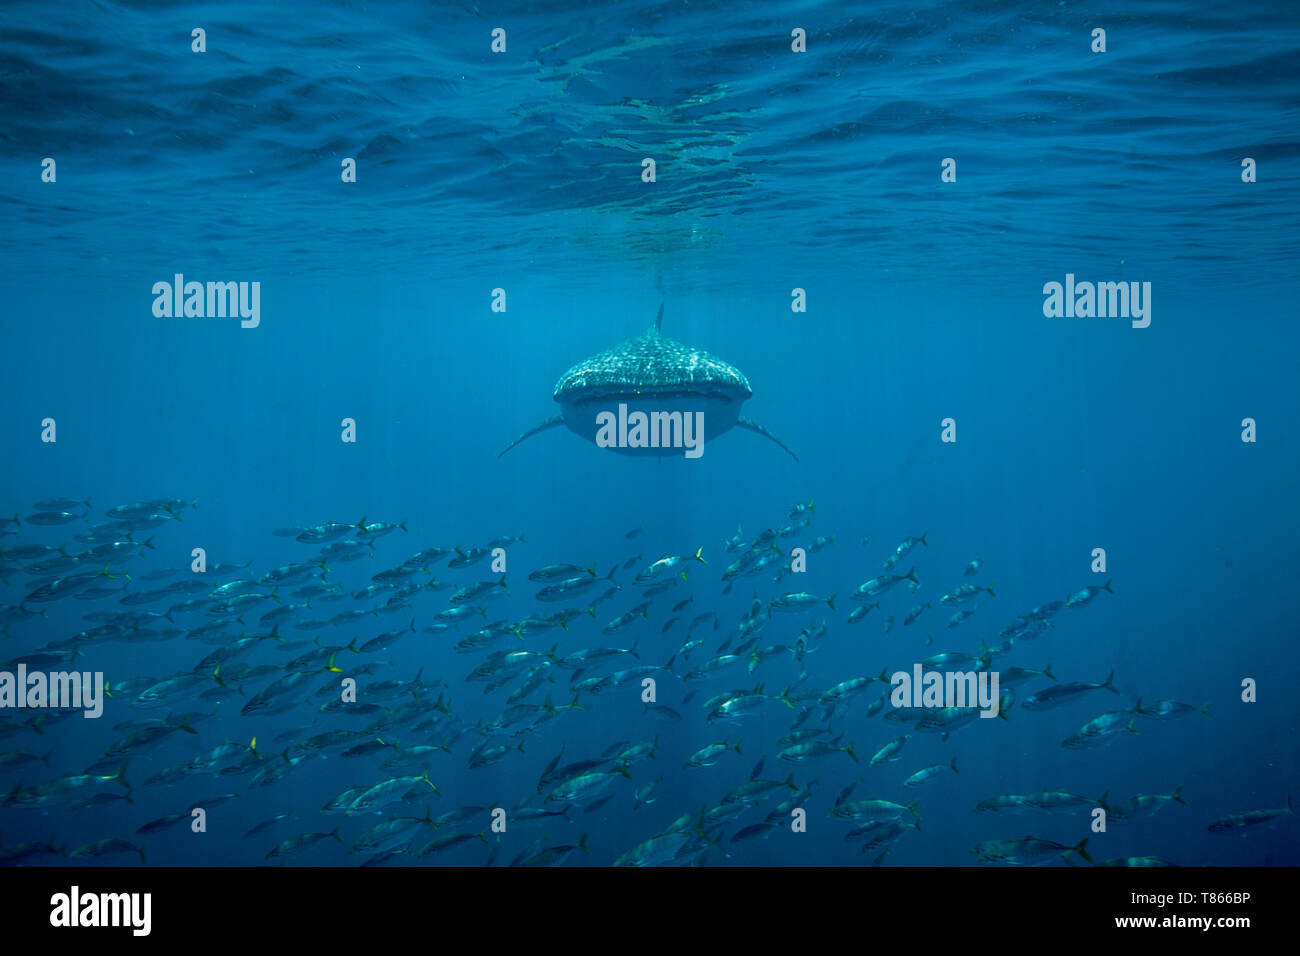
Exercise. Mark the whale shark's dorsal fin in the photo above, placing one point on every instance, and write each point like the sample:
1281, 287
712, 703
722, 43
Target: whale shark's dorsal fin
659, 319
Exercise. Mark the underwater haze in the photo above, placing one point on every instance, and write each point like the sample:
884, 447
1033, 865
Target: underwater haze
989, 320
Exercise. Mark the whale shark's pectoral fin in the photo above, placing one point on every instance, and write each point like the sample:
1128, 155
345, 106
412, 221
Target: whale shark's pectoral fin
549, 423
756, 427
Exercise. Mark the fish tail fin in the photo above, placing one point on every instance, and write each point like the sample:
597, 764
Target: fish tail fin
1081, 848
831, 601
1205, 710
1178, 795
911, 575
1107, 586
1110, 682
582, 842
849, 750
1047, 672
699, 556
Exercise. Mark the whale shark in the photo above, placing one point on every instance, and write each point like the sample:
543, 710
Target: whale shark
654, 375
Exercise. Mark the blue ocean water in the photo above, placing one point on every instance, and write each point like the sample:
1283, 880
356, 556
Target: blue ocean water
776, 171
